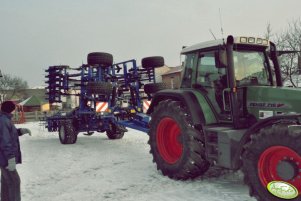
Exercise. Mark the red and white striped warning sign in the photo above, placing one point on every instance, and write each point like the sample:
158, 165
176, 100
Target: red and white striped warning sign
101, 106
146, 104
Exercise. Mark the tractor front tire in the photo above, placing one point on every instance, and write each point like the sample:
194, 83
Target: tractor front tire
154, 87
67, 132
273, 154
176, 146
115, 132
100, 58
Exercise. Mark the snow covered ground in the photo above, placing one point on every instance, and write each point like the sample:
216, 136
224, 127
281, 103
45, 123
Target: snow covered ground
96, 168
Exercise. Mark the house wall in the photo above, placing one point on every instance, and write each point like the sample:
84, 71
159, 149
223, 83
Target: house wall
31, 108
173, 80
45, 107
160, 71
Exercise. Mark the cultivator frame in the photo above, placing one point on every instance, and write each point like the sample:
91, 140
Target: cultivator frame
120, 85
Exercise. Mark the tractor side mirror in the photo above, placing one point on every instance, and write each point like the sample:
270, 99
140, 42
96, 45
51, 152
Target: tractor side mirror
221, 59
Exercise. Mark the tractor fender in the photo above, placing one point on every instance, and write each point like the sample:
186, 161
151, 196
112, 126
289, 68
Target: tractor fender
186, 97
236, 163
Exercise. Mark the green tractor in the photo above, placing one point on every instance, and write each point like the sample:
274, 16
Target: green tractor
231, 111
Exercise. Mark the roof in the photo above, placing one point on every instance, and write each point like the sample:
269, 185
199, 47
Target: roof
172, 70
203, 45
19, 94
237, 40
31, 101
160, 71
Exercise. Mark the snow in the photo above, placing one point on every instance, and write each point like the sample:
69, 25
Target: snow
38, 87
96, 168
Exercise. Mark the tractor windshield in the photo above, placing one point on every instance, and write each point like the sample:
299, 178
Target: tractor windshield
251, 68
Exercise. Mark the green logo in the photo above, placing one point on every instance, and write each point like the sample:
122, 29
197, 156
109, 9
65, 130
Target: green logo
282, 190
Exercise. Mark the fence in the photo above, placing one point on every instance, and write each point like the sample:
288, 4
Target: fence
34, 116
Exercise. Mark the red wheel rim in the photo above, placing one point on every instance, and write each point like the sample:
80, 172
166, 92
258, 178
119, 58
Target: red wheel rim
168, 136
271, 157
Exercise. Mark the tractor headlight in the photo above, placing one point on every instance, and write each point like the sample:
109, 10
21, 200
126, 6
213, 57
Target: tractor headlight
243, 40
265, 42
259, 41
251, 40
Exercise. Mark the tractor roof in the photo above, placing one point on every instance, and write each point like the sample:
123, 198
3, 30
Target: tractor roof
203, 45
238, 40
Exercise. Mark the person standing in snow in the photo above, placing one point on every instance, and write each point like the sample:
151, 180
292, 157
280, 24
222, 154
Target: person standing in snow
10, 153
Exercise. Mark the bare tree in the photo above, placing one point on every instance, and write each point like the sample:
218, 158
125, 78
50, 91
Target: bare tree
10, 85
269, 33
289, 40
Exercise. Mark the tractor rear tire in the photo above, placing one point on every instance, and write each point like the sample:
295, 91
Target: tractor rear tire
177, 147
100, 58
67, 132
155, 87
152, 62
273, 154
97, 87
114, 132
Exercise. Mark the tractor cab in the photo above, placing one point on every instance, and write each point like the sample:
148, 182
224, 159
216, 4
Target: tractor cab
223, 70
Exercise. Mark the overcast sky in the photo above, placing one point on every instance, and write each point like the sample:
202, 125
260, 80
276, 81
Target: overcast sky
36, 34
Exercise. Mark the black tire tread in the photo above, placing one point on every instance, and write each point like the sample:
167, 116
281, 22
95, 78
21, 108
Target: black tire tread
152, 62
276, 134
192, 164
155, 87
98, 87
114, 133
100, 58
70, 131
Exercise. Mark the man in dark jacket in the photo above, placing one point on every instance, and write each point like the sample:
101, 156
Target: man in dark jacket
10, 153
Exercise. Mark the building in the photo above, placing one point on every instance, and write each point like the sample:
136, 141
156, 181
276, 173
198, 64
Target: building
173, 77
160, 71
23, 94
31, 104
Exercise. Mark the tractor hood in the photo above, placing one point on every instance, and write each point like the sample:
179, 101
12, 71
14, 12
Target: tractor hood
266, 101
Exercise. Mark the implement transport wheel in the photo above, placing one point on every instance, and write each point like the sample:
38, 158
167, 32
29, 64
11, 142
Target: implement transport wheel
273, 154
100, 58
67, 132
177, 147
155, 87
97, 87
115, 131
152, 62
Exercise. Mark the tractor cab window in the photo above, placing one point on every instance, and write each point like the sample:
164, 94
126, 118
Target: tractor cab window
212, 79
189, 68
250, 68
208, 74
273, 74
207, 71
